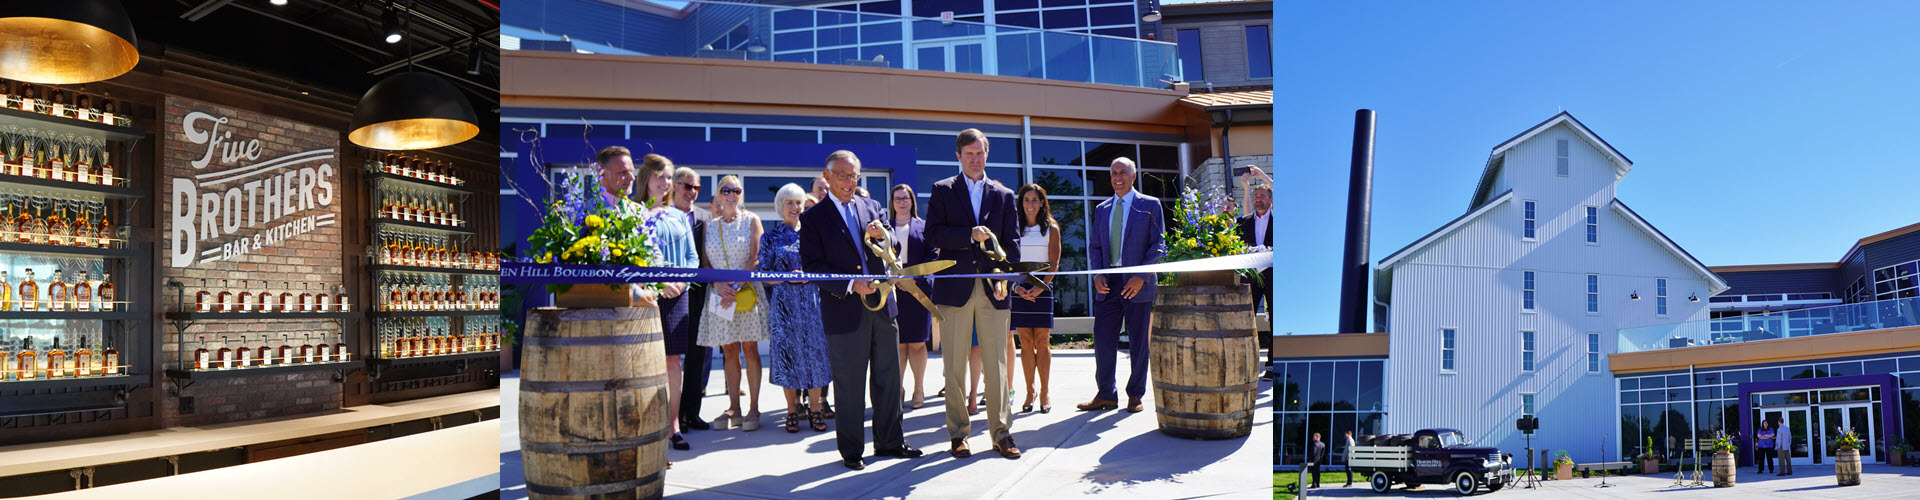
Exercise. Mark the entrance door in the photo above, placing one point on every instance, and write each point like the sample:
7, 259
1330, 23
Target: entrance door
1796, 419
1856, 417
958, 56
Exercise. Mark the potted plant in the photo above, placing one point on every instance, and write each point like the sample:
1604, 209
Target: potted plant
581, 228
1562, 466
1846, 462
1649, 459
1723, 463
1203, 228
1897, 450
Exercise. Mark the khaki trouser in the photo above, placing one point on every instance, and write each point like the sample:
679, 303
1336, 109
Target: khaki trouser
957, 325
1786, 458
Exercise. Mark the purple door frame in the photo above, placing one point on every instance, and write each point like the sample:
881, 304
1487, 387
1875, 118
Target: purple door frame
1890, 422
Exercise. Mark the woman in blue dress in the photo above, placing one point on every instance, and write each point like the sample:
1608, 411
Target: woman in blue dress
799, 346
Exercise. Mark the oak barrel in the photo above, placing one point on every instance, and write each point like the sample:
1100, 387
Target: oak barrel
1846, 467
1205, 361
1723, 470
593, 403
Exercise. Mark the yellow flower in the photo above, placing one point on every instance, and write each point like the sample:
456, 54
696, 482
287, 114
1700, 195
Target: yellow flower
617, 252
595, 222
588, 241
547, 259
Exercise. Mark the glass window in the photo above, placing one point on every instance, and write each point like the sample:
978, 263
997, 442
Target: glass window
1006, 5
1593, 293
834, 37
1766, 374
1593, 224
1526, 291
1053, 152
928, 147
1102, 154
1003, 149
646, 132
1060, 181
1560, 157
925, 175
1526, 404
1627, 384
1073, 295
1063, 19
1629, 397
1660, 296
1295, 387
1127, 32
1100, 182
933, 8
792, 19
1320, 387
797, 40
1259, 53
1007, 176
1526, 351
1345, 390
761, 189
1801, 372
1446, 349
1878, 366
1068, 57
891, 53
863, 138
1371, 382
1111, 16
1736, 377
782, 135
1167, 157
799, 57
1061, 3
1020, 55
1116, 61
837, 56
876, 33
1527, 219
1593, 353
603, 131
967, 58
1023, 19
1165, 186
1845, 369
1189, 48
881, 7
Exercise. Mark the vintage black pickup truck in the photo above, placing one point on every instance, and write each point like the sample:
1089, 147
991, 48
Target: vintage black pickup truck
1431, 456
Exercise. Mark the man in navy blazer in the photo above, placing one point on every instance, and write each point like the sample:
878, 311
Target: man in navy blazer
963, 211
1132, 238
859, 341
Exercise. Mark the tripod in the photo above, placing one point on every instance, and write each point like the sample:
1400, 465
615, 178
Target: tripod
1603, 454
1532, 479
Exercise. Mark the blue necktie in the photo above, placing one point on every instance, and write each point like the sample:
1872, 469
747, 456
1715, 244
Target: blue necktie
853, 228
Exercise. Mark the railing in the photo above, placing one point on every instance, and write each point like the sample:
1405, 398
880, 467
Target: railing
1890, 313
838, 35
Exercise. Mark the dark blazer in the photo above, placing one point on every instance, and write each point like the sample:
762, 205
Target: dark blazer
826, 247
918, 252
950, 229
1319, 455
1244, 225
1144, 243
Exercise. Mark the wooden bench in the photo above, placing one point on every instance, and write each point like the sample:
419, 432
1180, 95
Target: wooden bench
1599, 466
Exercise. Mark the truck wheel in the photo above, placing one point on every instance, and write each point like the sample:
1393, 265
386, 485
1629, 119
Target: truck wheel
1464, 483
1380, 482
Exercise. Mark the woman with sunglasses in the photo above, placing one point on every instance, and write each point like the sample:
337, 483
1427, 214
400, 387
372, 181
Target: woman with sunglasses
916, 324
799, 344
733, 242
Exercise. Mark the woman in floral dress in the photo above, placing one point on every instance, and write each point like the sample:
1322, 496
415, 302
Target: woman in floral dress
799, 347
733, 242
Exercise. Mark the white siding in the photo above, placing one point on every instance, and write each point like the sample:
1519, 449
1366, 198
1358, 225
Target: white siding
1471, 280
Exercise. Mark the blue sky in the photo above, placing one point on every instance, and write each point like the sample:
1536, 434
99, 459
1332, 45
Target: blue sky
1761, 132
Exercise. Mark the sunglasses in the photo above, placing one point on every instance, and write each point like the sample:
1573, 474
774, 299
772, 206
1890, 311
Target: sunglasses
730, 191
690, 187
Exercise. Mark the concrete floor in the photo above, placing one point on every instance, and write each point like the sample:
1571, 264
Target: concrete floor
1877, 481
1066, 453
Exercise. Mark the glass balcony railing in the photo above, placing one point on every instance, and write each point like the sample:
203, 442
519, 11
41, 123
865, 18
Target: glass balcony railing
870, 34
1890, 313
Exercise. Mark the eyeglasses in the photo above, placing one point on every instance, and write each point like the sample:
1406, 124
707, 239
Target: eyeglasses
690, 187
731, 191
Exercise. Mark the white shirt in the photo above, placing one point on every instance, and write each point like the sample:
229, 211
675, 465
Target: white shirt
900, 240
1260, 229
974, 190
1034, 245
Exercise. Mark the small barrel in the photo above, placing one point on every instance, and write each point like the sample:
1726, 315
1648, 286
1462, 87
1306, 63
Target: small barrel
593, 404
1723, 469
1205, 361
1846, 467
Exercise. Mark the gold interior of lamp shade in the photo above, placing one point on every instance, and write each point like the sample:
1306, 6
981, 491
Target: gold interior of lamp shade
43, 50
416, 133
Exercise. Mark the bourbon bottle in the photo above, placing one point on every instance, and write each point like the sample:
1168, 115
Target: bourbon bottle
82, 293
56, 361
6, 295
107, 111
83, 361
306, 299
246, 298
103, 292
286, 297
263, 356
225, 303
322, 351
25, 97
26, 361
340, 298
200, 355
84, 110
104, 234
286, 351
109, 357
59, 232
37, 228
83, 230
243, 356
83, 168
306, 349
340, 350
106, 170
203, 299
55, 167
29, 293
223, 358
57, 299
58, 99
6, 351
322, 301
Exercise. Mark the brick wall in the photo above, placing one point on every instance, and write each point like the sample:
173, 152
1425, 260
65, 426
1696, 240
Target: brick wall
311, 258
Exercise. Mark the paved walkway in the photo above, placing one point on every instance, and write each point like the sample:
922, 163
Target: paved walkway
1877, 481
1066, 453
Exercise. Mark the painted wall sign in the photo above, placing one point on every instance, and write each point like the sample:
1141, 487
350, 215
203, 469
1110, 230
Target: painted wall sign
247, 182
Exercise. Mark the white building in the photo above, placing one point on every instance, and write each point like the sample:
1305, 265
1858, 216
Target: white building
1513, 307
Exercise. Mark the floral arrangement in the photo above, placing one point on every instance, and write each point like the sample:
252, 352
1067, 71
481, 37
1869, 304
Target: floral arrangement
582, 228
1847, 439
1648, 453
1561, 458
1723, 444
1203, 227
1899, 445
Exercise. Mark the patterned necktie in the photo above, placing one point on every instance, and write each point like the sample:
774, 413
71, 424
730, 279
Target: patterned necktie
1116, 223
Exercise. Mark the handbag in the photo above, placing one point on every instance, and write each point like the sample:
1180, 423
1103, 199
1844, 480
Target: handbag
744, 299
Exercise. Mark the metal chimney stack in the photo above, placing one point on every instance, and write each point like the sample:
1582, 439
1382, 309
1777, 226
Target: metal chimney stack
1354, 265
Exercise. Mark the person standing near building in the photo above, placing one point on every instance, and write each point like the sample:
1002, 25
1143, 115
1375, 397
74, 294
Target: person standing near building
1127, 231
915, 321
964, 211
733, 242
1763, 447
1346, 461
674, 242
1783, 448
693, 387
1315, 457
799, 349
1033, 306
861, 343
1256, 230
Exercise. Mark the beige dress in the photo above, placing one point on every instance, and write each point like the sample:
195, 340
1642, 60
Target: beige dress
729, 246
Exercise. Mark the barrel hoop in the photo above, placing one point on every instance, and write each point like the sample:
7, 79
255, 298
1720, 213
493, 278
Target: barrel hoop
593, 446
593, 489
1176, 309
1232, 333
1204, 433
1205, 416
1194, 389
595, 385
601, 340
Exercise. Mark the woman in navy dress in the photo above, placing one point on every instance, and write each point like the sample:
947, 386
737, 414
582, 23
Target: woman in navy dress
799, 346
916, 324
1033, 306
674, 240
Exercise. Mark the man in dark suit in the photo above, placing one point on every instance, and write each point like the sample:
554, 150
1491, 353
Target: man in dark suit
963, 211
859, 341
1127, 231
1256, 229
1318, 456
686, 189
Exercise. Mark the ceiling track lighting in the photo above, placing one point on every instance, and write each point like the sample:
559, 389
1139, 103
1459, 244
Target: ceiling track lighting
390, 24
65, 41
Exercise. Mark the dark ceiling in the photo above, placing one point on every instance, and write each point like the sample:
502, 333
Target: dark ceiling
336, 45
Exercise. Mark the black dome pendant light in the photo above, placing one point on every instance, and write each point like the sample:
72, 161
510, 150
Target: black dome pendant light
412, 110
65, 41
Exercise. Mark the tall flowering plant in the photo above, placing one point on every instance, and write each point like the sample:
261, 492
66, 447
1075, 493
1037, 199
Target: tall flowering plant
582, 228
1203, 227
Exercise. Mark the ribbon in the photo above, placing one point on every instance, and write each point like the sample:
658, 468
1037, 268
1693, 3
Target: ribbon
527, 273
904, 278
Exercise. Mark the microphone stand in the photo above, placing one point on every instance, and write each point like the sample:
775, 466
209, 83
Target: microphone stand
1603, 455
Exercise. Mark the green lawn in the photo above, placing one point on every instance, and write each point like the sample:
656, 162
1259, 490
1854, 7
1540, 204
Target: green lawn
1283, 487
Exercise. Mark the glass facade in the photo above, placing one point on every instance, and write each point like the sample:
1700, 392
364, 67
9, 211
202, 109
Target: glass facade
1727, 327
1328, 397
1671, 408
1259, 52
1074, 171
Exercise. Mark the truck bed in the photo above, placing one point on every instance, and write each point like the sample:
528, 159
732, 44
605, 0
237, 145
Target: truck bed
1382, 457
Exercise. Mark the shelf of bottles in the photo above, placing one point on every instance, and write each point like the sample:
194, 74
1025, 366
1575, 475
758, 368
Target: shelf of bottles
231, 299
57, 350
425, 294
415, 338
394, 172
430, 253
67, 108
263, 353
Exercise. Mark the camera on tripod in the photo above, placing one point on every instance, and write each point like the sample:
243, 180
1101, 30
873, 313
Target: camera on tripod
1527, 424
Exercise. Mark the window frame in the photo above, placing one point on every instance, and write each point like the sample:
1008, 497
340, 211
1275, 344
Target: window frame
1593, 294
1529, 220
1593, 353
1593, 225
1562, 161
1528, 302
1527, 349
1660, 297
1199, 55
1527, 407
1449, 350
1246, 35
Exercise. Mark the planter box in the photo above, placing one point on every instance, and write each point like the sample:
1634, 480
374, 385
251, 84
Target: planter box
1649, 466
1563, 472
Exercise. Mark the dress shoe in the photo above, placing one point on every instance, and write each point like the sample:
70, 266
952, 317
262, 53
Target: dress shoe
904, 451
1133, 405
959, 449
694, 424
1098, 404
1006, 448
854, 463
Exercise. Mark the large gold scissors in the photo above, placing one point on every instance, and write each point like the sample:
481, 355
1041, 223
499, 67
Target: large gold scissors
905, 279
996, 262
